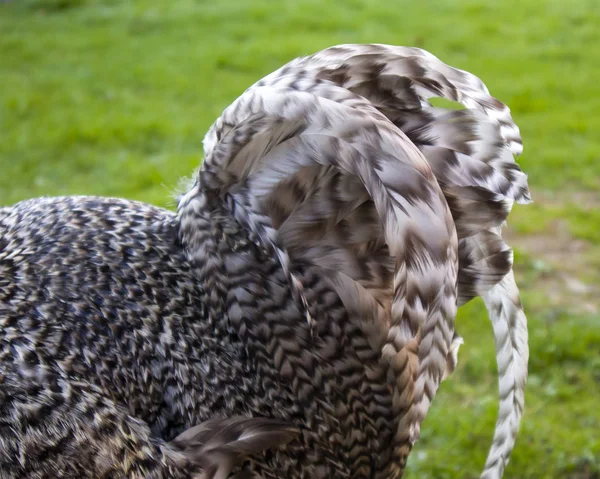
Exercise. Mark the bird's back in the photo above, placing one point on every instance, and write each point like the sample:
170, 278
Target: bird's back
98, 292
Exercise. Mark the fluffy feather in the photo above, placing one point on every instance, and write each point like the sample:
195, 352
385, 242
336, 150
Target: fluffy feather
407, 311
470, 152
312, 273
216, 447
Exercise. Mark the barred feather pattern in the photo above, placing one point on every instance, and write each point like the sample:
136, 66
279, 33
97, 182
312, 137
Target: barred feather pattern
275, 134
109, 347
512, 354
311, 274
470, 151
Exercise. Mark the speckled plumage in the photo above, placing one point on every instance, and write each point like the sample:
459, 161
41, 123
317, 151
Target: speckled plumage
311, 275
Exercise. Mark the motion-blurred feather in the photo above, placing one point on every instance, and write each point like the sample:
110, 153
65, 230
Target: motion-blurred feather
311, 276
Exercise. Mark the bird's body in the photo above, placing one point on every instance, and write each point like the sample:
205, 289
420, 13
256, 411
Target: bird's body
105, 309
311, 276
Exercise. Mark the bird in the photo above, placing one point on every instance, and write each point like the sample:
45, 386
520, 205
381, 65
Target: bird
295, 316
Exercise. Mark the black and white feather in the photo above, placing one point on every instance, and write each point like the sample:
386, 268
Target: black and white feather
295, 317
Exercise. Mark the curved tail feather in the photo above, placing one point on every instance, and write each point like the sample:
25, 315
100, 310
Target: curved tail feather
512, 355
471, 153
337, 159
365, 207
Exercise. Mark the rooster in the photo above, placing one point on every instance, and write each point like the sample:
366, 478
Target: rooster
295, 316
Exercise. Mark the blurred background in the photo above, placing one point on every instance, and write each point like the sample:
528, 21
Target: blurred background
114, 97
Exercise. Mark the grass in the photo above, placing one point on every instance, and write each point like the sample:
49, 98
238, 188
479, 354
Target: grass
114, 97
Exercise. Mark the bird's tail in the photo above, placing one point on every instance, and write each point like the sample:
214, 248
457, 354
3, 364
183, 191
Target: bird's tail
338, 160
319, 177
471, 152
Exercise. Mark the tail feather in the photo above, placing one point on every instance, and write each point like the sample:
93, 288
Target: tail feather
401, 258
475, 154
470, 151
512, 355
484, 260
360, 155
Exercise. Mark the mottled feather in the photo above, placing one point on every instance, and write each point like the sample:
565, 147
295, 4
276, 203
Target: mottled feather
311, 275
213, 449
274, 135
470, 151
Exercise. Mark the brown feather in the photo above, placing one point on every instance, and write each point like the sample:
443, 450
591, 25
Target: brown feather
216, 447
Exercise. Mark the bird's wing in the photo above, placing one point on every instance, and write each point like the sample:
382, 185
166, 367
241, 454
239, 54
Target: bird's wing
320, 177
472, 154
215, 447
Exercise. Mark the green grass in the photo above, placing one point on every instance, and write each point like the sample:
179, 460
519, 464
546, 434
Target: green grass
114, 97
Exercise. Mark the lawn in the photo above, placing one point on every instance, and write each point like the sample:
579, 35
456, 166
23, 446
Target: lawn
114, 97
